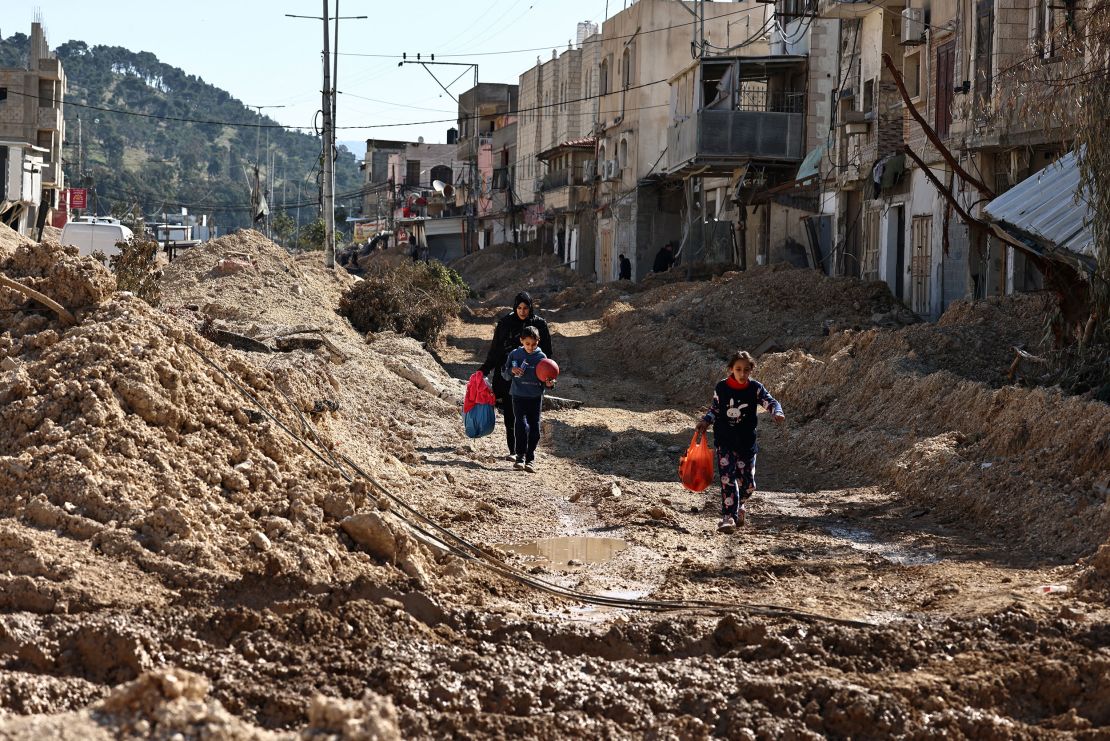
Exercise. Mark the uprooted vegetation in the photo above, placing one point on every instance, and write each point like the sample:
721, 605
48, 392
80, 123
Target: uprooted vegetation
416, 299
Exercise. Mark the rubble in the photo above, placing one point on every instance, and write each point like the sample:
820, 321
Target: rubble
186, 556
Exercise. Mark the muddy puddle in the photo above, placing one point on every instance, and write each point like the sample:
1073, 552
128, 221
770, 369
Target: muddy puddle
568, 551
862, 540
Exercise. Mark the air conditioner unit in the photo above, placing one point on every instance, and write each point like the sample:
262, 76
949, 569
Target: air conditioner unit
913, 26
612, 170
588, 171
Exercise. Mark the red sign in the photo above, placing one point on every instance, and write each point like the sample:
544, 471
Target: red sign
78, 197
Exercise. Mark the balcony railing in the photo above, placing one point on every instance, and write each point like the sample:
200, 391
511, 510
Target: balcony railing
723, 138
566, 176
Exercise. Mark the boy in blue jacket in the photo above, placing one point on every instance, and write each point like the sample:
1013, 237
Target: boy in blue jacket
527, 392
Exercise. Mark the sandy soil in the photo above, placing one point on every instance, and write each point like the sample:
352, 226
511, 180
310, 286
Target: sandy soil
179, 564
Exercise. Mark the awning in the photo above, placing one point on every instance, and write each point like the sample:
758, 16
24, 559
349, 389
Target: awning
811, 165
1050, 212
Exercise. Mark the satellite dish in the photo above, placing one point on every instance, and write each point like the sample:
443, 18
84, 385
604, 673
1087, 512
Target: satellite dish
444, 188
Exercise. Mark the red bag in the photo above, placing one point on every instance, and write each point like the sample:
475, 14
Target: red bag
477, 392
696, 467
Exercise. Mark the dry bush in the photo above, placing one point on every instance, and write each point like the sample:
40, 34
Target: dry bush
414, 299
136, 271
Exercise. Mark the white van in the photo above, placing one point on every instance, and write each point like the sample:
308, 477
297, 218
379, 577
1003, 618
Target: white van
92, 233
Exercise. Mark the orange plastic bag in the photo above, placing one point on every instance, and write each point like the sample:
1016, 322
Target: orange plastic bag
696, 467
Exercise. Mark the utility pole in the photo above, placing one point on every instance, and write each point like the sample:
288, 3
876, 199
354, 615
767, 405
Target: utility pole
472, 191
327, 108
329, 151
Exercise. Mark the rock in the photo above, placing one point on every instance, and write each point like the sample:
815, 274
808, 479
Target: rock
614, 490
657, 513
372, 532
260, 541
373, 718
731, 632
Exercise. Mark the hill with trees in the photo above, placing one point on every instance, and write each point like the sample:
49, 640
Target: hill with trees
147, 146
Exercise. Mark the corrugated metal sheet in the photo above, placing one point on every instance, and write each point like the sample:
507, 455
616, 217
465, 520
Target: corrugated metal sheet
1044, 207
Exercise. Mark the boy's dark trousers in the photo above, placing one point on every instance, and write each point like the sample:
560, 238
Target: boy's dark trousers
527, 411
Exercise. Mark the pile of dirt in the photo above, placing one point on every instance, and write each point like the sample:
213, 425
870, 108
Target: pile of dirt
497, 277
689, 329
875, 402
167, 703
10, 240
76, 283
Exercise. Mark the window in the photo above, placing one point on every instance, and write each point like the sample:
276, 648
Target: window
412, 172
984, 12
911, 72
622, 154
604, 77
946, 58
626, 66
921, 265
869, 96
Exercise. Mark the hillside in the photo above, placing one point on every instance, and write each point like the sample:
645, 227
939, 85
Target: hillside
164, 164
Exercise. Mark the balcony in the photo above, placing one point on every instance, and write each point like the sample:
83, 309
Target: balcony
50, 118
50, 68
728, 111
716, 142
51, 173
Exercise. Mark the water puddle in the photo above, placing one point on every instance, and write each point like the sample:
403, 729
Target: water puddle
568, 551
861, 540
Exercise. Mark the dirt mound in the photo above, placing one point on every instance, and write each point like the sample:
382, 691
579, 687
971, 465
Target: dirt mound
689, 329
243, 275
172, 703
10, 240
495, 275
956, 446
76, 283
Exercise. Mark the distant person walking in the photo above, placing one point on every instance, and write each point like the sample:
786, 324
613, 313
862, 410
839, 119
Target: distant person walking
733, 416
664, 258
626, 268
506, 338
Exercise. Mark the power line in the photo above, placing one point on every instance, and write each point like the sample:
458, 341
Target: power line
555, 46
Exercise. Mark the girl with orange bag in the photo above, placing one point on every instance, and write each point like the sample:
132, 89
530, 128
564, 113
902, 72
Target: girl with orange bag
733, 416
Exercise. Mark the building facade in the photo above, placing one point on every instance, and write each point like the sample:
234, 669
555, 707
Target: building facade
33, 132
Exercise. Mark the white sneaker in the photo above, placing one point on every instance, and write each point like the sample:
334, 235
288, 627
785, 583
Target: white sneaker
519, 465
530, 467
726, 525
511, 457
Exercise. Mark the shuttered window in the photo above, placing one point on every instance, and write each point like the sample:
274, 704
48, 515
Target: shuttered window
946, 61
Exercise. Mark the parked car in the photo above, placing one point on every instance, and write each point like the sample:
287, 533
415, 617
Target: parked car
95, 233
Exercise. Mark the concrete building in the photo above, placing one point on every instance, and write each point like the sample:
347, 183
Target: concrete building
558, 112
483, 109
895, 189
398, 179
32, 127
641, 48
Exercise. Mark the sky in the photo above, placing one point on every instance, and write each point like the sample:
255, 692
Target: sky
252, 50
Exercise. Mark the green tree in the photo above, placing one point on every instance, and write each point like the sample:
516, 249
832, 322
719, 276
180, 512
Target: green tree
312, 235
284, 227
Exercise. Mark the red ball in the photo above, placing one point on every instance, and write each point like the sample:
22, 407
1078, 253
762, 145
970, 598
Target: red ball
547, 370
